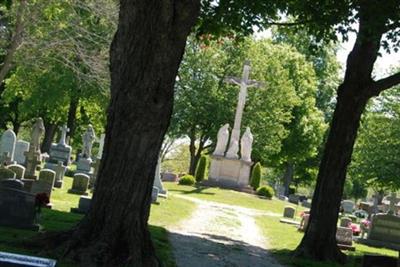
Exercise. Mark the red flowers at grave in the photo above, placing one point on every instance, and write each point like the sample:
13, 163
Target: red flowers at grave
41, 200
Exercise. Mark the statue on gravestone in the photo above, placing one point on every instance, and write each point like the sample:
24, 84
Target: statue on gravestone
246, 144
37, 131
64, 130
222, 141
88, 138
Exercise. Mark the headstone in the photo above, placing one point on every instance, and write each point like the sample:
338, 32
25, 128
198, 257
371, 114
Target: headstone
154, 195
20, 148
60, 172
157, 179
61, 151
10, 259
385, 228
344, 237
294, 199
169, 176
6, 174
18, 169
17, 208
288, 212
80, 184
345, 222
93, 176
393, 202
45, 183
83, 206
306, 204
33, 159
348, 206
7, 143
84, 165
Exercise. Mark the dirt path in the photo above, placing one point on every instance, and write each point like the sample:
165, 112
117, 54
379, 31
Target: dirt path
220, 235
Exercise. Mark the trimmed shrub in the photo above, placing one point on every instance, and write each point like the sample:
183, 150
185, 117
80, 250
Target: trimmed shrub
266, 191
256, 176
187, 180
201, 169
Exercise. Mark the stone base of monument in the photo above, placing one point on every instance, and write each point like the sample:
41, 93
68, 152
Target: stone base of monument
84, 166
229, 173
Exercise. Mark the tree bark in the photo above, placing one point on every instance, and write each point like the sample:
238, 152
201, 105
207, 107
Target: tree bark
145, 55
73, 107
288, 177
319, 241
195, 154
49, 133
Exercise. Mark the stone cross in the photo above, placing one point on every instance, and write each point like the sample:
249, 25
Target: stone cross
392, 204
64, 131
244, 83
32, 161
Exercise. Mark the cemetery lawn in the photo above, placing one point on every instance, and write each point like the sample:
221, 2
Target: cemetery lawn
284, 238
169, 212
231, 197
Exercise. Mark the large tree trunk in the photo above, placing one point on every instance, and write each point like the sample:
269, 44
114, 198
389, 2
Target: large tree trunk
288, 177
49, 133
73, 106
319, 241
145, 55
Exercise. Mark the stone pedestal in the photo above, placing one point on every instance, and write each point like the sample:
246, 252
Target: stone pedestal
60, 152
84, 165
229, 173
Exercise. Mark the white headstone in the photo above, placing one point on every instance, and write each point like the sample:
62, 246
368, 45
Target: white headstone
348, 206
157, 179
7, 143
20, 148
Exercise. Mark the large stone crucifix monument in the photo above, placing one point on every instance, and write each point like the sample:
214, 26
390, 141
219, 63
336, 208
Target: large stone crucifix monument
228, 170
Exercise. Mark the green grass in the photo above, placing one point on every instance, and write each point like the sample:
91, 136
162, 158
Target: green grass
284, 238
231, 197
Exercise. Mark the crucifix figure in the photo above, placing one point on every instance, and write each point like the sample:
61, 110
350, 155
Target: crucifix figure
244, 83
64, 131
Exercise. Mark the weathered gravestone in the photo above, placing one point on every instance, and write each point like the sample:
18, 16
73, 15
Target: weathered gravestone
348, 206
7, 144
6, 174
18, 169
59, 152
45, 183
60, 172
304, 222
80, 184
83, 206
33, 159
344, 238
288, 212
154, 195
96, 165
11, 260
384, 232
294, 199
17, 207
157, 180
345, 222
21, 147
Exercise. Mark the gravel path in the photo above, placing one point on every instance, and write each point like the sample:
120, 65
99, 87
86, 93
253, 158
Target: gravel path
220, 235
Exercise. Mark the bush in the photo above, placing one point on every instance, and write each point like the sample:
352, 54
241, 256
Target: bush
266, 191
187, 180
256, 176
201, 169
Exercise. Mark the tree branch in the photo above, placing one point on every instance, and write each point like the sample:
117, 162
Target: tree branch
385, 83
15, 41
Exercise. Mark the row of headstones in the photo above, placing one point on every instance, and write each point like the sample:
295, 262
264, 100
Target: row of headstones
12, 150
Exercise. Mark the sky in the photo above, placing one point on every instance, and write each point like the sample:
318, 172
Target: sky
382, 65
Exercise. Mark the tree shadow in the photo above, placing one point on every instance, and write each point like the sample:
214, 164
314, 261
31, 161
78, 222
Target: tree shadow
217, 251
197, 190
